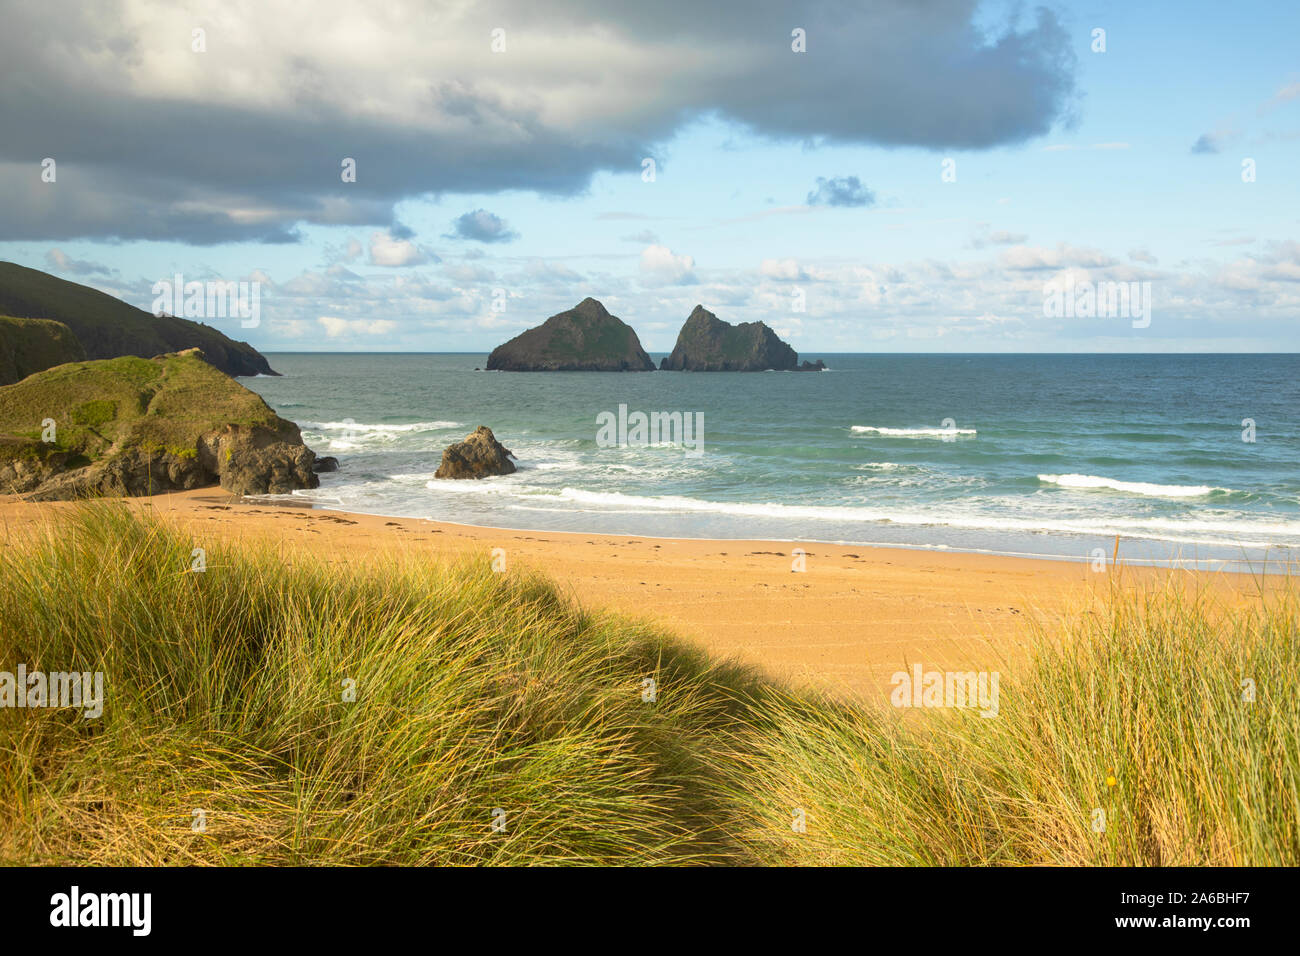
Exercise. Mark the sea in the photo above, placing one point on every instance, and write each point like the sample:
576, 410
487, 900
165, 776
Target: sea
1175, 460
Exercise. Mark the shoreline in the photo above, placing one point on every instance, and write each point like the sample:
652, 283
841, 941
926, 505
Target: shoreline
1179, 564
854, 616
1271, 567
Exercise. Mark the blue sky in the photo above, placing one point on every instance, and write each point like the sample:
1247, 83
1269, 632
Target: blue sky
1097, 182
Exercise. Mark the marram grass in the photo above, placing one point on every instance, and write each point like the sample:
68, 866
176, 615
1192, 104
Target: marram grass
485, 699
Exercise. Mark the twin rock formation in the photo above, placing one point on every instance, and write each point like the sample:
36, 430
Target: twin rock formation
588, 339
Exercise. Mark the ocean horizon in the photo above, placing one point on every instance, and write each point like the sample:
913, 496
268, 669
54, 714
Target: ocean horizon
1187, 459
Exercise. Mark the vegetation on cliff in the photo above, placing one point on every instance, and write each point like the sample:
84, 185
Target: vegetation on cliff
33, 345
131, 426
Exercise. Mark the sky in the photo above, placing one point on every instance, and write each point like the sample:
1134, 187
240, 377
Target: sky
917, 178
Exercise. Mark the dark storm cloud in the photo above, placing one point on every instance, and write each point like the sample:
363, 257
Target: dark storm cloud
245, 141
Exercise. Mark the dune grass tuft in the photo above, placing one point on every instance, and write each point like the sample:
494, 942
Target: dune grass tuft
1127, 740
484, 698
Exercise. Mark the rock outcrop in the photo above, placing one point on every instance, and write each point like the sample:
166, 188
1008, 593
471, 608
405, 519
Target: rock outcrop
110, 328
33, 345
133, 426
584, 339
480, 455
708, 344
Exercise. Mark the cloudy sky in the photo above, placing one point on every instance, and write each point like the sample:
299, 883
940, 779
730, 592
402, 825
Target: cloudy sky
913, 178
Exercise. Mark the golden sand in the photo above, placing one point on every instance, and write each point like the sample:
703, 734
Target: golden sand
847, 622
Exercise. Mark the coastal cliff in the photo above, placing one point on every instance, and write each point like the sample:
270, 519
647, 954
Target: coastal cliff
109, 328
132, 426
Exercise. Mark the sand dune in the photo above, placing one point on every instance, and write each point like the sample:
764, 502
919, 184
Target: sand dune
850, 620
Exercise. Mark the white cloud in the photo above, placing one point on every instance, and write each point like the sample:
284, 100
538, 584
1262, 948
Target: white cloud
782, 269
387, 251
1284, 95
338, 328
661, 266
546, 273
1041, 257
986, 302
466, 272
999, 237
60, 261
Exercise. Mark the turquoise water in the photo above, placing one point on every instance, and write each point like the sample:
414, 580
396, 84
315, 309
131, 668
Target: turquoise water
1050, 455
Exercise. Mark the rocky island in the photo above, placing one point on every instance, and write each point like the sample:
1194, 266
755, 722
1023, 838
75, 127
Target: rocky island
708, 344
135, 426
586, 338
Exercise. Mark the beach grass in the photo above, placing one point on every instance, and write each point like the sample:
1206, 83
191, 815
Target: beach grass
1165, 733
278, 708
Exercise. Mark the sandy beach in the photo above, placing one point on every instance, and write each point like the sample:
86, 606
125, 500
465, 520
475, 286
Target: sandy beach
847, 622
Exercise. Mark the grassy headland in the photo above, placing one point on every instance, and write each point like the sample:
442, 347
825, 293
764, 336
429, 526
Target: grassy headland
132, 426
477, 692
165, 402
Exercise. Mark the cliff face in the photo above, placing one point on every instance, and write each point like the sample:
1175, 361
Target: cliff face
133, 426
586, 338
33, 345
707, 344
110, 328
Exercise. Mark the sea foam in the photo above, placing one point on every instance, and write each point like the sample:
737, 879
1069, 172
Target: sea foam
1132, 487
912, 432
359, 427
